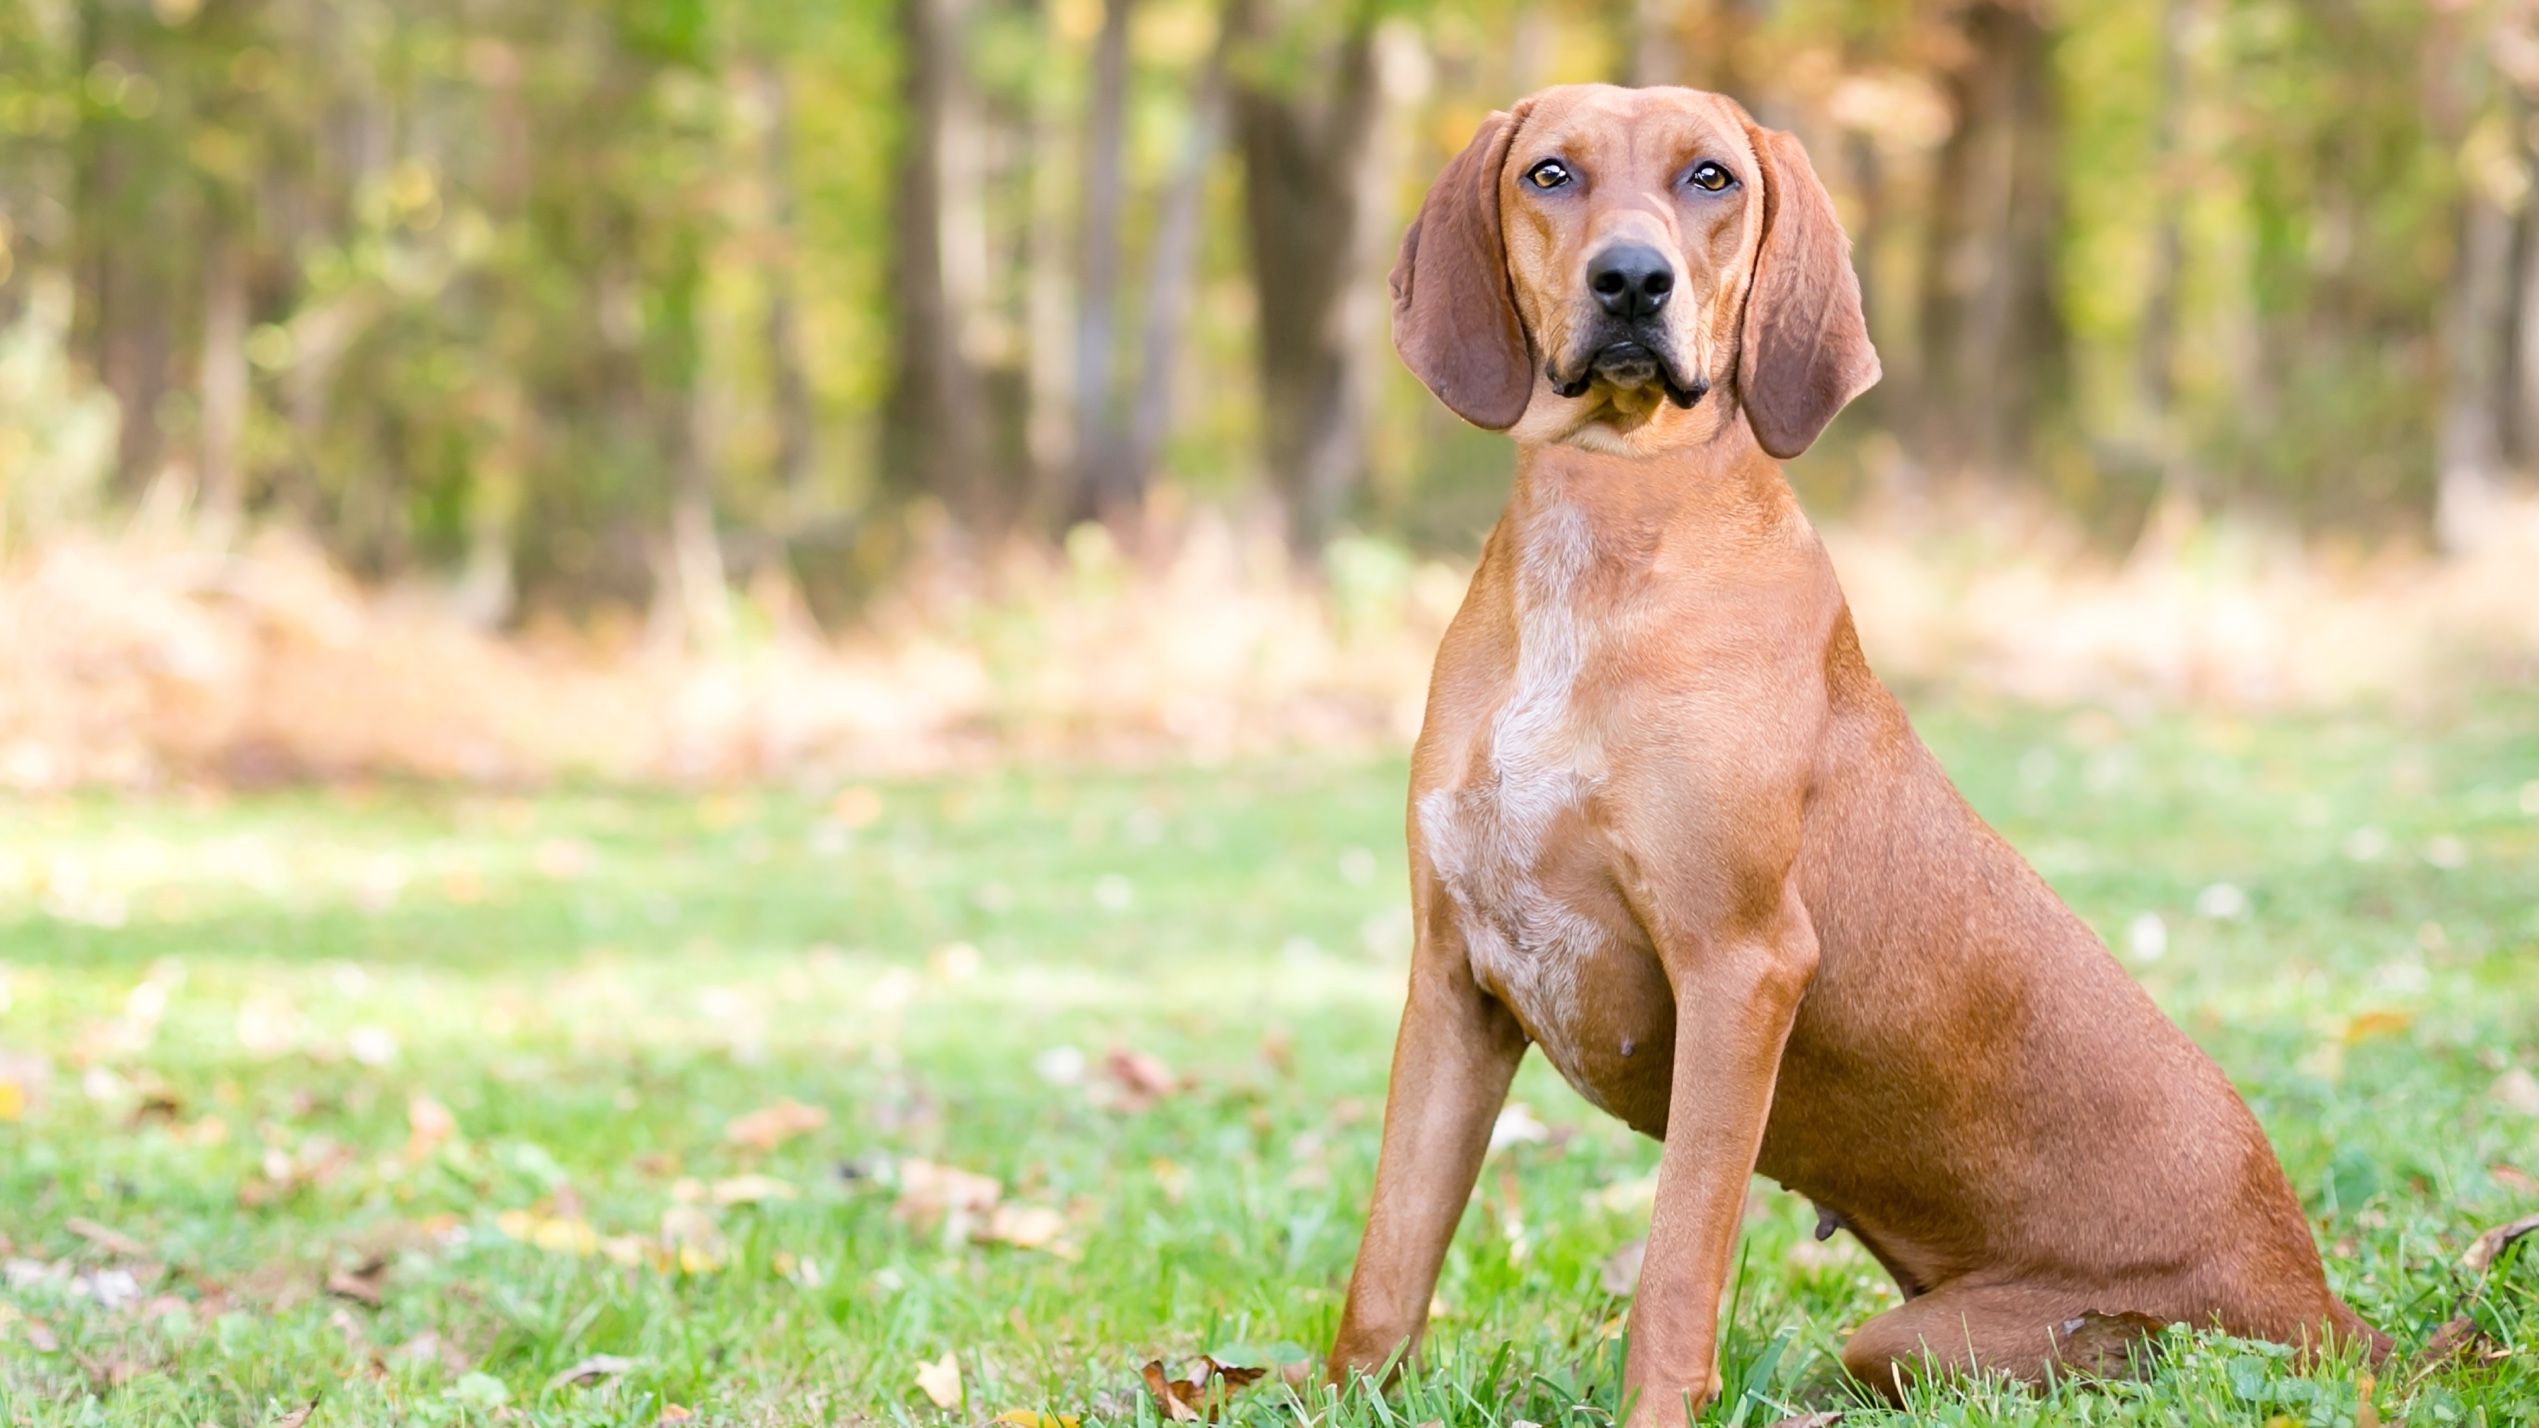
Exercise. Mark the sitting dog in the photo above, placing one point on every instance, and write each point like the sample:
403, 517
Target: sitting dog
1667, 826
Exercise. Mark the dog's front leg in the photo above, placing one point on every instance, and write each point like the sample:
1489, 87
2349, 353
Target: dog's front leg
1457, 1051
1736, 993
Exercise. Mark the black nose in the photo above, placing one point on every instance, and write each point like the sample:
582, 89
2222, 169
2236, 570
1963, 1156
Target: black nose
1630, 280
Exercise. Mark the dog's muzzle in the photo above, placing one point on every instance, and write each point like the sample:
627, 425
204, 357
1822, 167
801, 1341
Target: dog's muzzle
1627, 364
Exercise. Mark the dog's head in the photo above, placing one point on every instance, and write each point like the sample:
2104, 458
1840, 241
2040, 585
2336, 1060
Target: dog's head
1600, 262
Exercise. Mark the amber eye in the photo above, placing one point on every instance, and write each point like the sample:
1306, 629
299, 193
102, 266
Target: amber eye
1550, 173
1709, 177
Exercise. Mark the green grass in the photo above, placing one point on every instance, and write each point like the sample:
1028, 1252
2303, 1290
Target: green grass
221, 1010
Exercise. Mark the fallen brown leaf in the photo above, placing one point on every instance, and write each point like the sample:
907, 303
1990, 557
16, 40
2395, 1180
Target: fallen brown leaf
1812, 1420
428, 1124
1141, 1078
932, 1194
109, 1373
675, 1413
1201, 1396
364, 1283
296, 1416
110, 1240
2488, 1247
771, 1126
2518, 1091
593, 1369
1027, 1227
2463, 1338
941, 1381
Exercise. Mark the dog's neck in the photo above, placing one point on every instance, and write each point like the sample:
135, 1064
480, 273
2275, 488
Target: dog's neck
1701, 499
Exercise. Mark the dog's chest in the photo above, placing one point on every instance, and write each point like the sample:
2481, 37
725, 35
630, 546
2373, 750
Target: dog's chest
1512, 841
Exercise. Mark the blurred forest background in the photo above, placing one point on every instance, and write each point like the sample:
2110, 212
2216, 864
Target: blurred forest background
380, 382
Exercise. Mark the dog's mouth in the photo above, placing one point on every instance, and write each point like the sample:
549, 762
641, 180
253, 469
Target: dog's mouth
1630, 366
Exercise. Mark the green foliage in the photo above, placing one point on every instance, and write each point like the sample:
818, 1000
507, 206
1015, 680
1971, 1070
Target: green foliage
512, 270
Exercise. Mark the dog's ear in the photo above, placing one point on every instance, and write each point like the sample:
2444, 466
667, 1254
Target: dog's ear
1805, 351
1454, 319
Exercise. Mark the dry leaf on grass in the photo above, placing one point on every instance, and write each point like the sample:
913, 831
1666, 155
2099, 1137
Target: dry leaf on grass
1034, 1418
2463, 1339
364, 1283
110, 1240
2378, 1022
2490, 1246
1028, 1227
1142, 1080
1201, 1396
109, 1373
771, 1126
428, 1125
1812, 1420
941, 1381
594, 1369
930, 1194
296, 1416
737, 1190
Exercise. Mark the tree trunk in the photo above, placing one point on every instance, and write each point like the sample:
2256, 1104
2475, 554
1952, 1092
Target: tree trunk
2482, 116
1304, 211
930, 441
789, 390
2178, 504
1104, 487
1175, 260
1991, 328
2521, 389
124, 287
2470, 463
222, 383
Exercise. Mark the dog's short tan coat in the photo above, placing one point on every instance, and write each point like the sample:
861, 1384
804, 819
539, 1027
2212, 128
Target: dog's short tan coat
1667, 826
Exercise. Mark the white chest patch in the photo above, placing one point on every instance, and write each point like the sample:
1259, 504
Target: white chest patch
1486, 838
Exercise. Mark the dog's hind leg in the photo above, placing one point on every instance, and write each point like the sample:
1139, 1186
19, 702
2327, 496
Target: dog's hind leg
2027, 1332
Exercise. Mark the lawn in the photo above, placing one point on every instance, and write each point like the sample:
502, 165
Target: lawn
443, 1106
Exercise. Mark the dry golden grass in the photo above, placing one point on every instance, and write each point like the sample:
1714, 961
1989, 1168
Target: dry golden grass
151, 658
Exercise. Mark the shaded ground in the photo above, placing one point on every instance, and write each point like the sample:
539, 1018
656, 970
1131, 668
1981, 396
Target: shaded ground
512, 1077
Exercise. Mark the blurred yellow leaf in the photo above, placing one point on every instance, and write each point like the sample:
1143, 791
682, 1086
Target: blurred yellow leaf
941, 1381
750, 1190
546, 1232
1033, 1418
12, 1101
2383, 1022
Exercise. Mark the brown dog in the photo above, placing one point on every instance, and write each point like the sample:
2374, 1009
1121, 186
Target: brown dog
1667, 826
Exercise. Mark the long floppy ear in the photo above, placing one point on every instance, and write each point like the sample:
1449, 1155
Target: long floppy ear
1454, 320
1805, 352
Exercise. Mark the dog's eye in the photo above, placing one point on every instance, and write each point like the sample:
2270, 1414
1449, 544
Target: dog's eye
1709, 177
1550, 173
